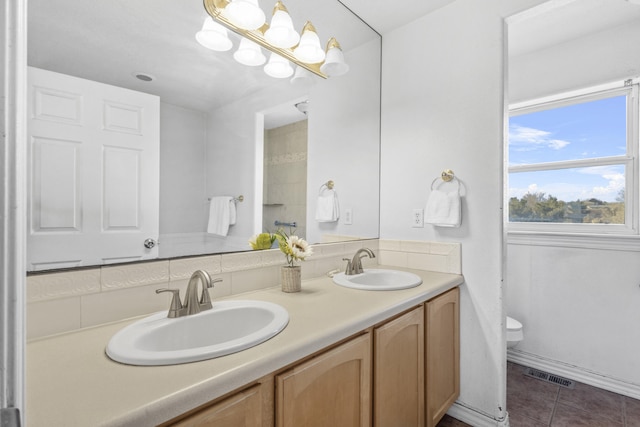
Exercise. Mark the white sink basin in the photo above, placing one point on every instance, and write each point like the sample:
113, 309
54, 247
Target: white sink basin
229, 327
378, 280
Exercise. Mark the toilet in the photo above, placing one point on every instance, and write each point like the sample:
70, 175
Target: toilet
514, 332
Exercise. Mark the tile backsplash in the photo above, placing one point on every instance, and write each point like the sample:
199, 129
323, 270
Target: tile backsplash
63, 301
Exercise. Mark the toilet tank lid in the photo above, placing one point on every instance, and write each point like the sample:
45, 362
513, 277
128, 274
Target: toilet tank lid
513, 324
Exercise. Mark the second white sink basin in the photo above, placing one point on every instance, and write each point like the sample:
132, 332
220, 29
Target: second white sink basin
378, 280
229, 327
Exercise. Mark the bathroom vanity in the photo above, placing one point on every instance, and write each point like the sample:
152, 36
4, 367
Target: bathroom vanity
385, 357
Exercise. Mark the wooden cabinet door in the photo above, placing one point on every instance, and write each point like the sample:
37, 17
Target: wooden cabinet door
398, 394
331, 389
243, 409
442, 354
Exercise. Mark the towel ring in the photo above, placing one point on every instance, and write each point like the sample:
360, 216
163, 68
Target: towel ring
452, 178
329, 185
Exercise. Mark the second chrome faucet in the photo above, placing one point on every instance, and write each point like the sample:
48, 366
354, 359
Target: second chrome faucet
354, 266
192, 304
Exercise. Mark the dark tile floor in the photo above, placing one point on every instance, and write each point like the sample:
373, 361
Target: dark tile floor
535, 403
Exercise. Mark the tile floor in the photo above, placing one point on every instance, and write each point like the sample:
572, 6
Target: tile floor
535, 403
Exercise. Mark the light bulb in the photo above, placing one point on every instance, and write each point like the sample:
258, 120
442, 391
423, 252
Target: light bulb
309, 49
281, 32
246, 14
249, 53
213, 36
278, 67
334, 64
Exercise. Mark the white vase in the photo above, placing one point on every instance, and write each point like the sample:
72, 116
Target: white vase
291, 278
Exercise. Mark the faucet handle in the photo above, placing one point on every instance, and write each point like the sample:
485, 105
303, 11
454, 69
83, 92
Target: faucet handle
205, 299
347, 269
176, 304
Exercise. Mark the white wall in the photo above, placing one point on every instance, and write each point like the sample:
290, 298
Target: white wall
344, 141
580, 305
442, 107
183, 201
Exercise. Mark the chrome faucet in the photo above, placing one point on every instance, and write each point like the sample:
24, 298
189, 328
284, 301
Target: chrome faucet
354, 266
192, 305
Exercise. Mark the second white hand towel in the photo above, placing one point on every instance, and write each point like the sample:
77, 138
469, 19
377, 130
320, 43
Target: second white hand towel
443, 209
327, 208
219, 215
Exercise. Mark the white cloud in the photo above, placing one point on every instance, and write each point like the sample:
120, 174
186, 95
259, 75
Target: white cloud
529, 139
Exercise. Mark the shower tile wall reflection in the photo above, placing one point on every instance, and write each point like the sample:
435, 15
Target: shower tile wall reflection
285, 177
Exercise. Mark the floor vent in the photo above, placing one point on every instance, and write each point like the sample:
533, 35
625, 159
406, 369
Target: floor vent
550, 378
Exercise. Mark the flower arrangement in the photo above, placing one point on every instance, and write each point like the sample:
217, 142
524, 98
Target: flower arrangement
293, 247
262, 241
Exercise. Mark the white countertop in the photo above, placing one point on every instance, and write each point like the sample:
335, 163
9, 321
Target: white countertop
71, 382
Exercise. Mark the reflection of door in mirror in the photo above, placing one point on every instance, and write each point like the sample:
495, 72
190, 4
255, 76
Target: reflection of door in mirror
285, 179
93, 172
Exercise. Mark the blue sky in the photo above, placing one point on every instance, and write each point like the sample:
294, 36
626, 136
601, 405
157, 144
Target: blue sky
580, 131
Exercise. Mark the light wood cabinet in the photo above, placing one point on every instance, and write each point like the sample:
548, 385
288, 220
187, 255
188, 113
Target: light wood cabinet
251, 407
404, 372
331, 389
442, 354
399, 371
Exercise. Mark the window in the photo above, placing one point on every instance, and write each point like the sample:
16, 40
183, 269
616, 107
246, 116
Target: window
573, 162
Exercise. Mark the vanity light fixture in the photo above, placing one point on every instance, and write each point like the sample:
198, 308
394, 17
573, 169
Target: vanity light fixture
279, 38
213, 36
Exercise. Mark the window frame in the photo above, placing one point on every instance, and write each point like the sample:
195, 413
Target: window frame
629, 88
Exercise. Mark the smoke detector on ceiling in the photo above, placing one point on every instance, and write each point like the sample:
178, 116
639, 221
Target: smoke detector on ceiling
303, 107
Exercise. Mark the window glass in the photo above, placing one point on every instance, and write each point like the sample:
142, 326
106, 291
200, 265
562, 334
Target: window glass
586, 130
586, 195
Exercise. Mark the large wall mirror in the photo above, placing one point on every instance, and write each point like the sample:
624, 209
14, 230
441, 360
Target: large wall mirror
223, 128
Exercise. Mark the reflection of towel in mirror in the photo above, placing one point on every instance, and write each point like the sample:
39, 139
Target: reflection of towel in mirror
443, 209
327, 209
220, 215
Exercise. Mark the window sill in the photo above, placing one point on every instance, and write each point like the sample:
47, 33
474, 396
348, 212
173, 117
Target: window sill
628, 243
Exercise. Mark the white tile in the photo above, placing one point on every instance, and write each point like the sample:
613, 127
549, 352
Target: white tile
122, 304
415, 246
392, 258
427, 262
131, 275
241, 261
251, 280
183, 268
390, 245
41, 287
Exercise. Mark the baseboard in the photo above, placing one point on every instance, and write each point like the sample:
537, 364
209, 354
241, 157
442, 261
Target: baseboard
574, 373
472, 417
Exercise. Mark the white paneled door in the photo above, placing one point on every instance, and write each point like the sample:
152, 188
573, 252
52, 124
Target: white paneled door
93, 172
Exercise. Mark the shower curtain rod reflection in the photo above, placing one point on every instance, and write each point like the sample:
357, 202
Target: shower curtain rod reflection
293, 224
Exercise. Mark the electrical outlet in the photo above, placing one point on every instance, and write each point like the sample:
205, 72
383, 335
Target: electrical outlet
418, 218
348, 216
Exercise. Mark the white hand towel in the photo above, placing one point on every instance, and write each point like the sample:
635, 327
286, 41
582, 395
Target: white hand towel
219, 215
443, 209
232, 212
327, 208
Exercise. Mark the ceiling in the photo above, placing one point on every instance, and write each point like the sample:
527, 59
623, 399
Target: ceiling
111, 41
561, 22
383, 18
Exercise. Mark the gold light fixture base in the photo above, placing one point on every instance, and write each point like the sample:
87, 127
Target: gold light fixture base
215, 8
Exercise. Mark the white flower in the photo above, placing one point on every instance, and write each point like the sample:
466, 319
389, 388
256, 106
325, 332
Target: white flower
299, 248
